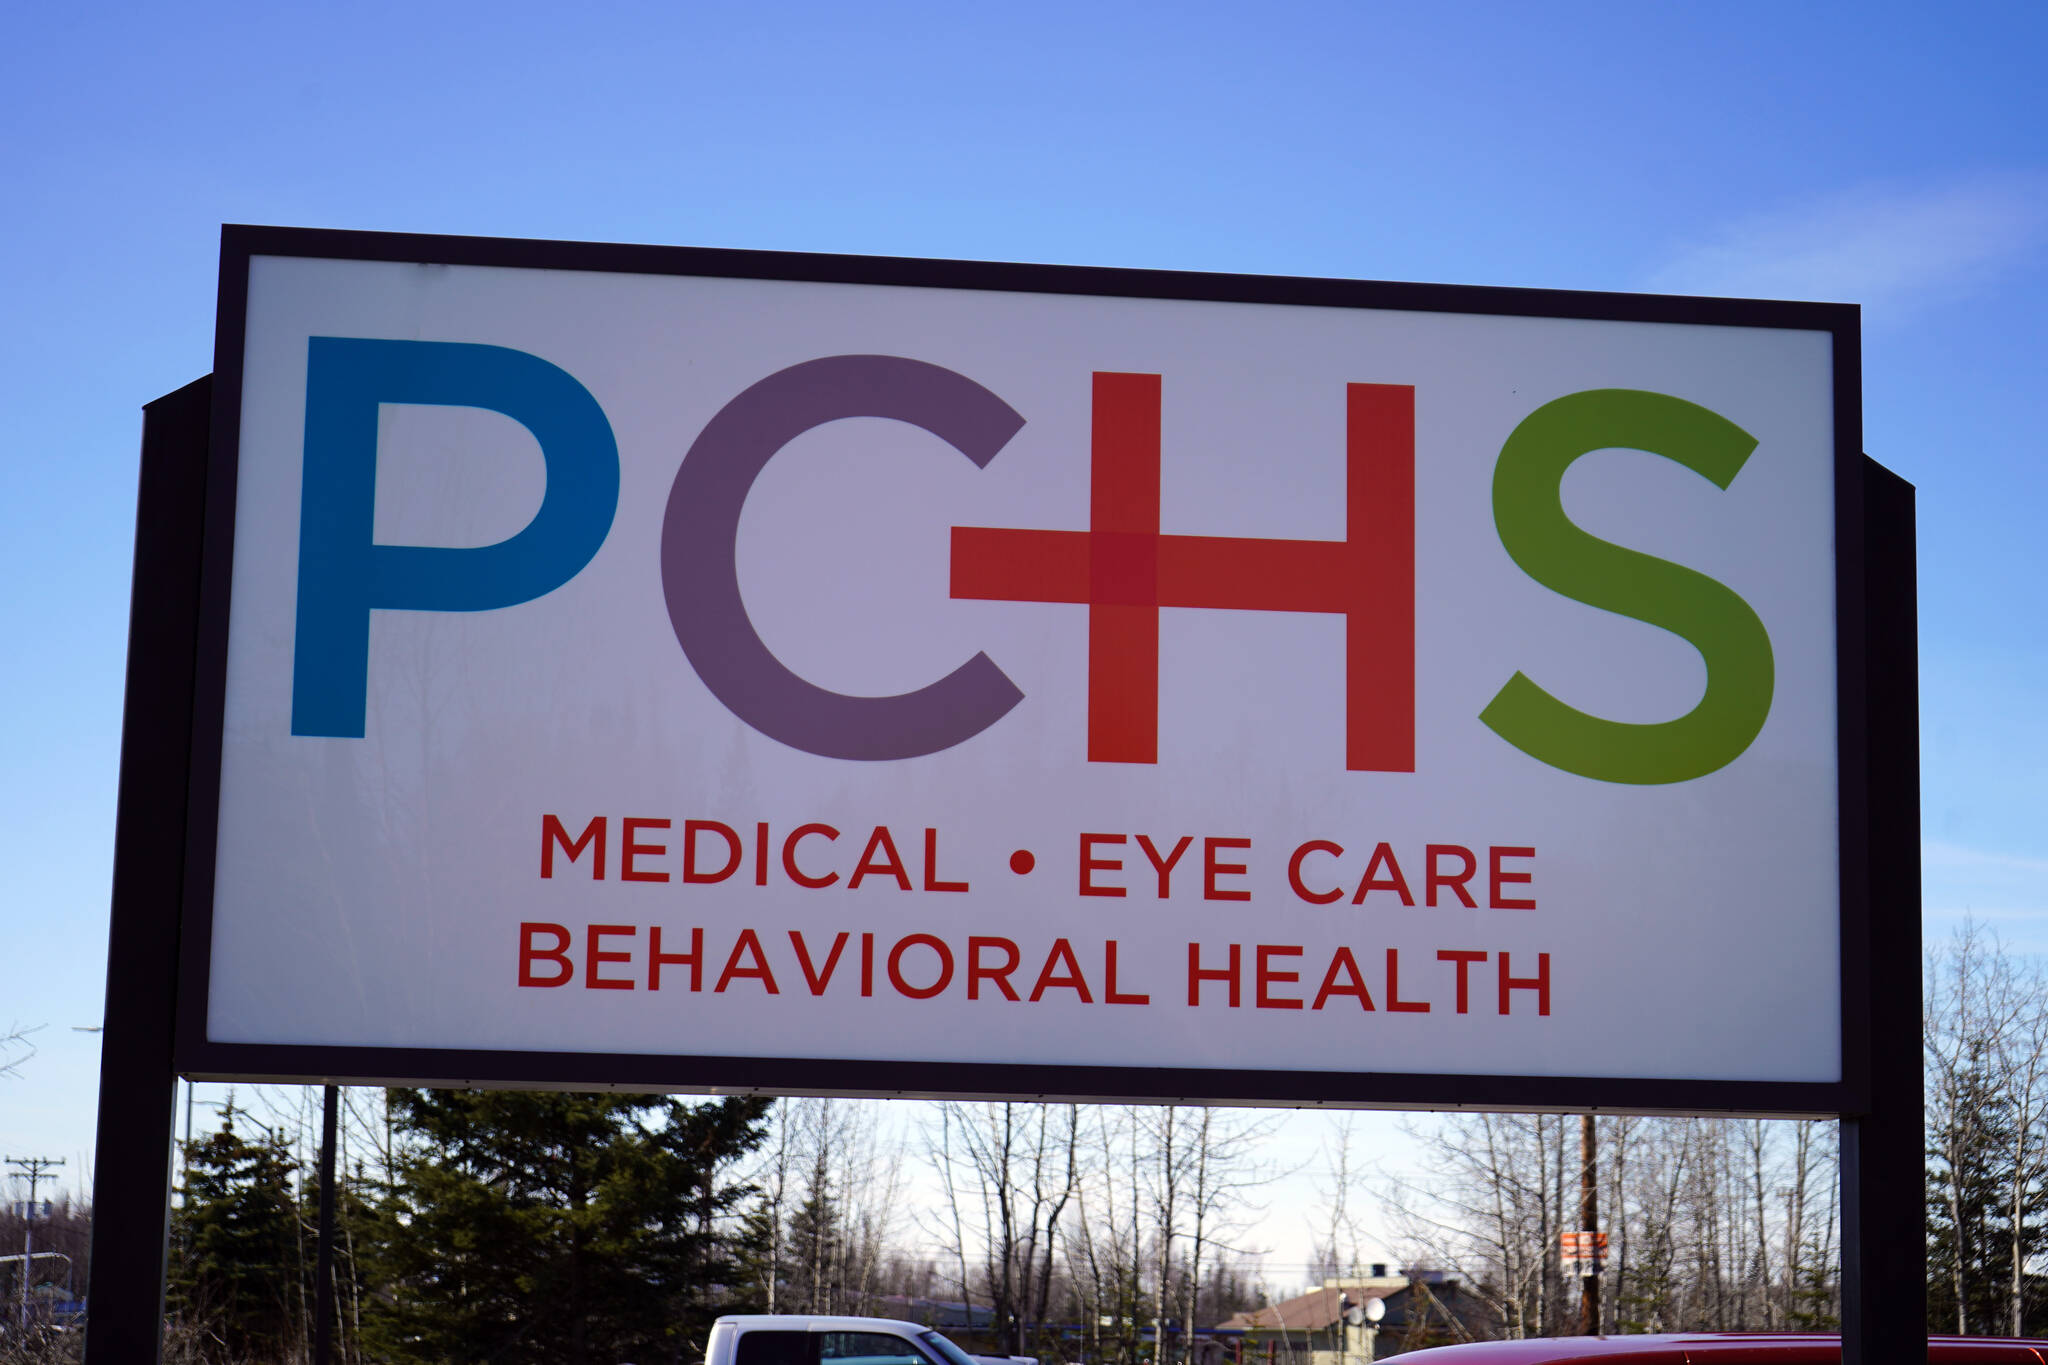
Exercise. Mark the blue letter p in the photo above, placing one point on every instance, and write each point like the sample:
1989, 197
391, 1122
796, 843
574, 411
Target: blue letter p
344, 575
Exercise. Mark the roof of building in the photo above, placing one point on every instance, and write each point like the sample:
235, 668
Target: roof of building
1317, 1309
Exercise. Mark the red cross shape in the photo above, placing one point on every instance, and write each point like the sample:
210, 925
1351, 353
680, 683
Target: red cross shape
1123, 570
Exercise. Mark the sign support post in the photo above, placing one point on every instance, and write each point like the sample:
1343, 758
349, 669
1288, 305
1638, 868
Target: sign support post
323, 1274
138, 1087
1884, 1210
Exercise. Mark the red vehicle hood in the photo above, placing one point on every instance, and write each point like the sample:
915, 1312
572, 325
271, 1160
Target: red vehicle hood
1717, 1348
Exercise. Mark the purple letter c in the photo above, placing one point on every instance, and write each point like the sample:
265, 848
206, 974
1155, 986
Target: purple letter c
700, 573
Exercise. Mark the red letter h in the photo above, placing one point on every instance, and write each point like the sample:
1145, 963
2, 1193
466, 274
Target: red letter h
1123, 570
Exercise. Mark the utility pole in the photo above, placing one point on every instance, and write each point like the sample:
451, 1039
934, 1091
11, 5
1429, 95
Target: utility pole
1589, 1228
33, 1167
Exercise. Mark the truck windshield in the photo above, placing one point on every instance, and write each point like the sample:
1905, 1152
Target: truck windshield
944, 1349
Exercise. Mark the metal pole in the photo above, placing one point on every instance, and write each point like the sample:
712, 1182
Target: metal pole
1884, 1208
1589, 1224
138, 1088
323, 1273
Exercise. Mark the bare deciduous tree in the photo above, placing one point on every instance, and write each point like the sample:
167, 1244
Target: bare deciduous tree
1712, 1224
1986, 1027
15, 1048
1009, 1173
823, 1224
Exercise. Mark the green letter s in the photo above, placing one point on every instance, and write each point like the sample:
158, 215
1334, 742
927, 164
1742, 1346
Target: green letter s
1528, 509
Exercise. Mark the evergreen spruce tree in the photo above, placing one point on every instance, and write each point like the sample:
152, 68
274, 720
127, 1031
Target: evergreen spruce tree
815, 1245
1999, 1238
236, 1265
574, 1228
695, 1258
758, 1263
1966, 1179
1815, 1282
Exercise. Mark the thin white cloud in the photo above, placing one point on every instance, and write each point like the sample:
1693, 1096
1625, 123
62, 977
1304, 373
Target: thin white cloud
2006, 893
2034, 919
1937, 853
1889, 248
2014, 930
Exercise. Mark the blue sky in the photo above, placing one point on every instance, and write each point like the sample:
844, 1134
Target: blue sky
1891, 155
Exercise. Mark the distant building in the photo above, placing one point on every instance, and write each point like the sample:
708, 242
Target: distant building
943, 1314
1422, 1308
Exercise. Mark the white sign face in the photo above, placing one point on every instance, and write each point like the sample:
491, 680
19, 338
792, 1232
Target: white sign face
749, 668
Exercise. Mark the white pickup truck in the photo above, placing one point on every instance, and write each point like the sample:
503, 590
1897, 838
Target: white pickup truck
801, 1339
